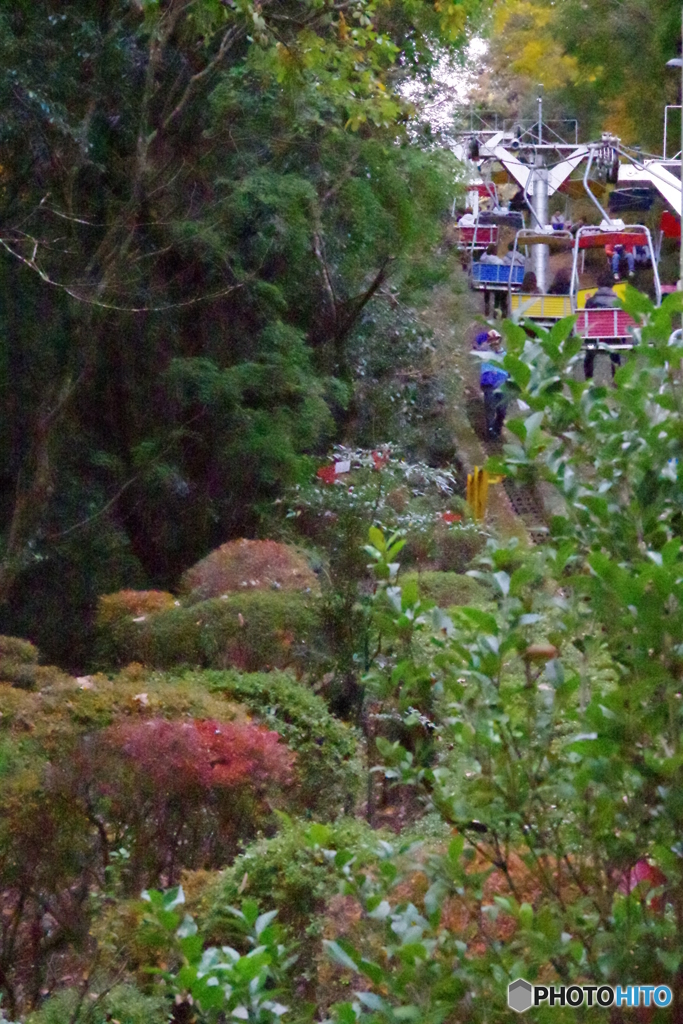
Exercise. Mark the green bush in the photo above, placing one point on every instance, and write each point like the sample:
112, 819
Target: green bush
18, 662
458, 545
328, 762
17, 650
123, 1003
446, 588
291, 872
18, 673
254, 631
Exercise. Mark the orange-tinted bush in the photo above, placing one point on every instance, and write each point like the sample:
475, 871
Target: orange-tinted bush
124, 603
248, 565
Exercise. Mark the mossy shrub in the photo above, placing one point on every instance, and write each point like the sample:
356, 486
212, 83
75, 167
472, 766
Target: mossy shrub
18, 662
54, 715
457, 545
245, 565
446, 589
18, 650
135, 603
18, 674
329, 764
291, 872
124, 1003
116, 620
254, 631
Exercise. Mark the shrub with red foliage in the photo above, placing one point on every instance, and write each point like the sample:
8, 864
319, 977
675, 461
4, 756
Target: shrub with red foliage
173, 794
250, 754
244, 565
172, 757
177, 794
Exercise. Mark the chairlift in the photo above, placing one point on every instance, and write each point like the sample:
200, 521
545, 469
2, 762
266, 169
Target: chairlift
495, 277
485, 233
610, 328
606, 328
476, 237
545, 310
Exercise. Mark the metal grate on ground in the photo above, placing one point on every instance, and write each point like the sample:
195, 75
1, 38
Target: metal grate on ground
523, 499
526, 505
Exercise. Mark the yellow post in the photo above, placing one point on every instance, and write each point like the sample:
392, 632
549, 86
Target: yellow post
483, 493
478, 491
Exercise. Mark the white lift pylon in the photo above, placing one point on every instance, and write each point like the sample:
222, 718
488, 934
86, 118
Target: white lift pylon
500, 147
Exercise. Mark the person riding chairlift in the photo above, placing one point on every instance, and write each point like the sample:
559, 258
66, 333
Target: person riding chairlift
615, 254
500, 299
530, 284
561, 283
512, 258
604, 298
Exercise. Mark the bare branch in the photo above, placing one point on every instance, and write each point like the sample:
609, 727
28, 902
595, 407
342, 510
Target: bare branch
233, 35
327, 278
87, 300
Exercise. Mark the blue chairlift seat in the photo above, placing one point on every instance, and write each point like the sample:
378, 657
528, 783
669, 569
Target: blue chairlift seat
490, 275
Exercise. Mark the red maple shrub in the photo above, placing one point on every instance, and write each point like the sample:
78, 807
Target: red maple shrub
245, 753
178, 794
124, 808
173, 757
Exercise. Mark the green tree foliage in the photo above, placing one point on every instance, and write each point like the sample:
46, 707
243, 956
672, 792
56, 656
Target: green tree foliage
198, 201
559, 731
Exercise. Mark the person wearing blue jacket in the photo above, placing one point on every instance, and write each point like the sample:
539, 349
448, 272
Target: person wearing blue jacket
492, 378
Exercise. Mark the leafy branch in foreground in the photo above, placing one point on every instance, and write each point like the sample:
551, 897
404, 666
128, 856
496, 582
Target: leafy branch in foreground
218, 982
558, 719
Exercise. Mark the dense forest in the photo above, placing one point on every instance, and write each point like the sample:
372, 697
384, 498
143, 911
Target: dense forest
288, 731
199, 201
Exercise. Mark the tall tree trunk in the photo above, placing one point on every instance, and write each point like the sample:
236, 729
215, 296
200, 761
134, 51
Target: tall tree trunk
35, 484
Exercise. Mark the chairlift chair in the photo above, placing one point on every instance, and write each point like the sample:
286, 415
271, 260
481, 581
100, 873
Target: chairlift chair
608, 329
478, 237
545, 310
495, 277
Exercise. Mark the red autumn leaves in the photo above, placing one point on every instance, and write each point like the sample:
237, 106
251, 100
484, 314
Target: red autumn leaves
176, 794
203, 754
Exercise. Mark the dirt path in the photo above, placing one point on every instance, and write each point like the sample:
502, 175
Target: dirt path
452, 316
